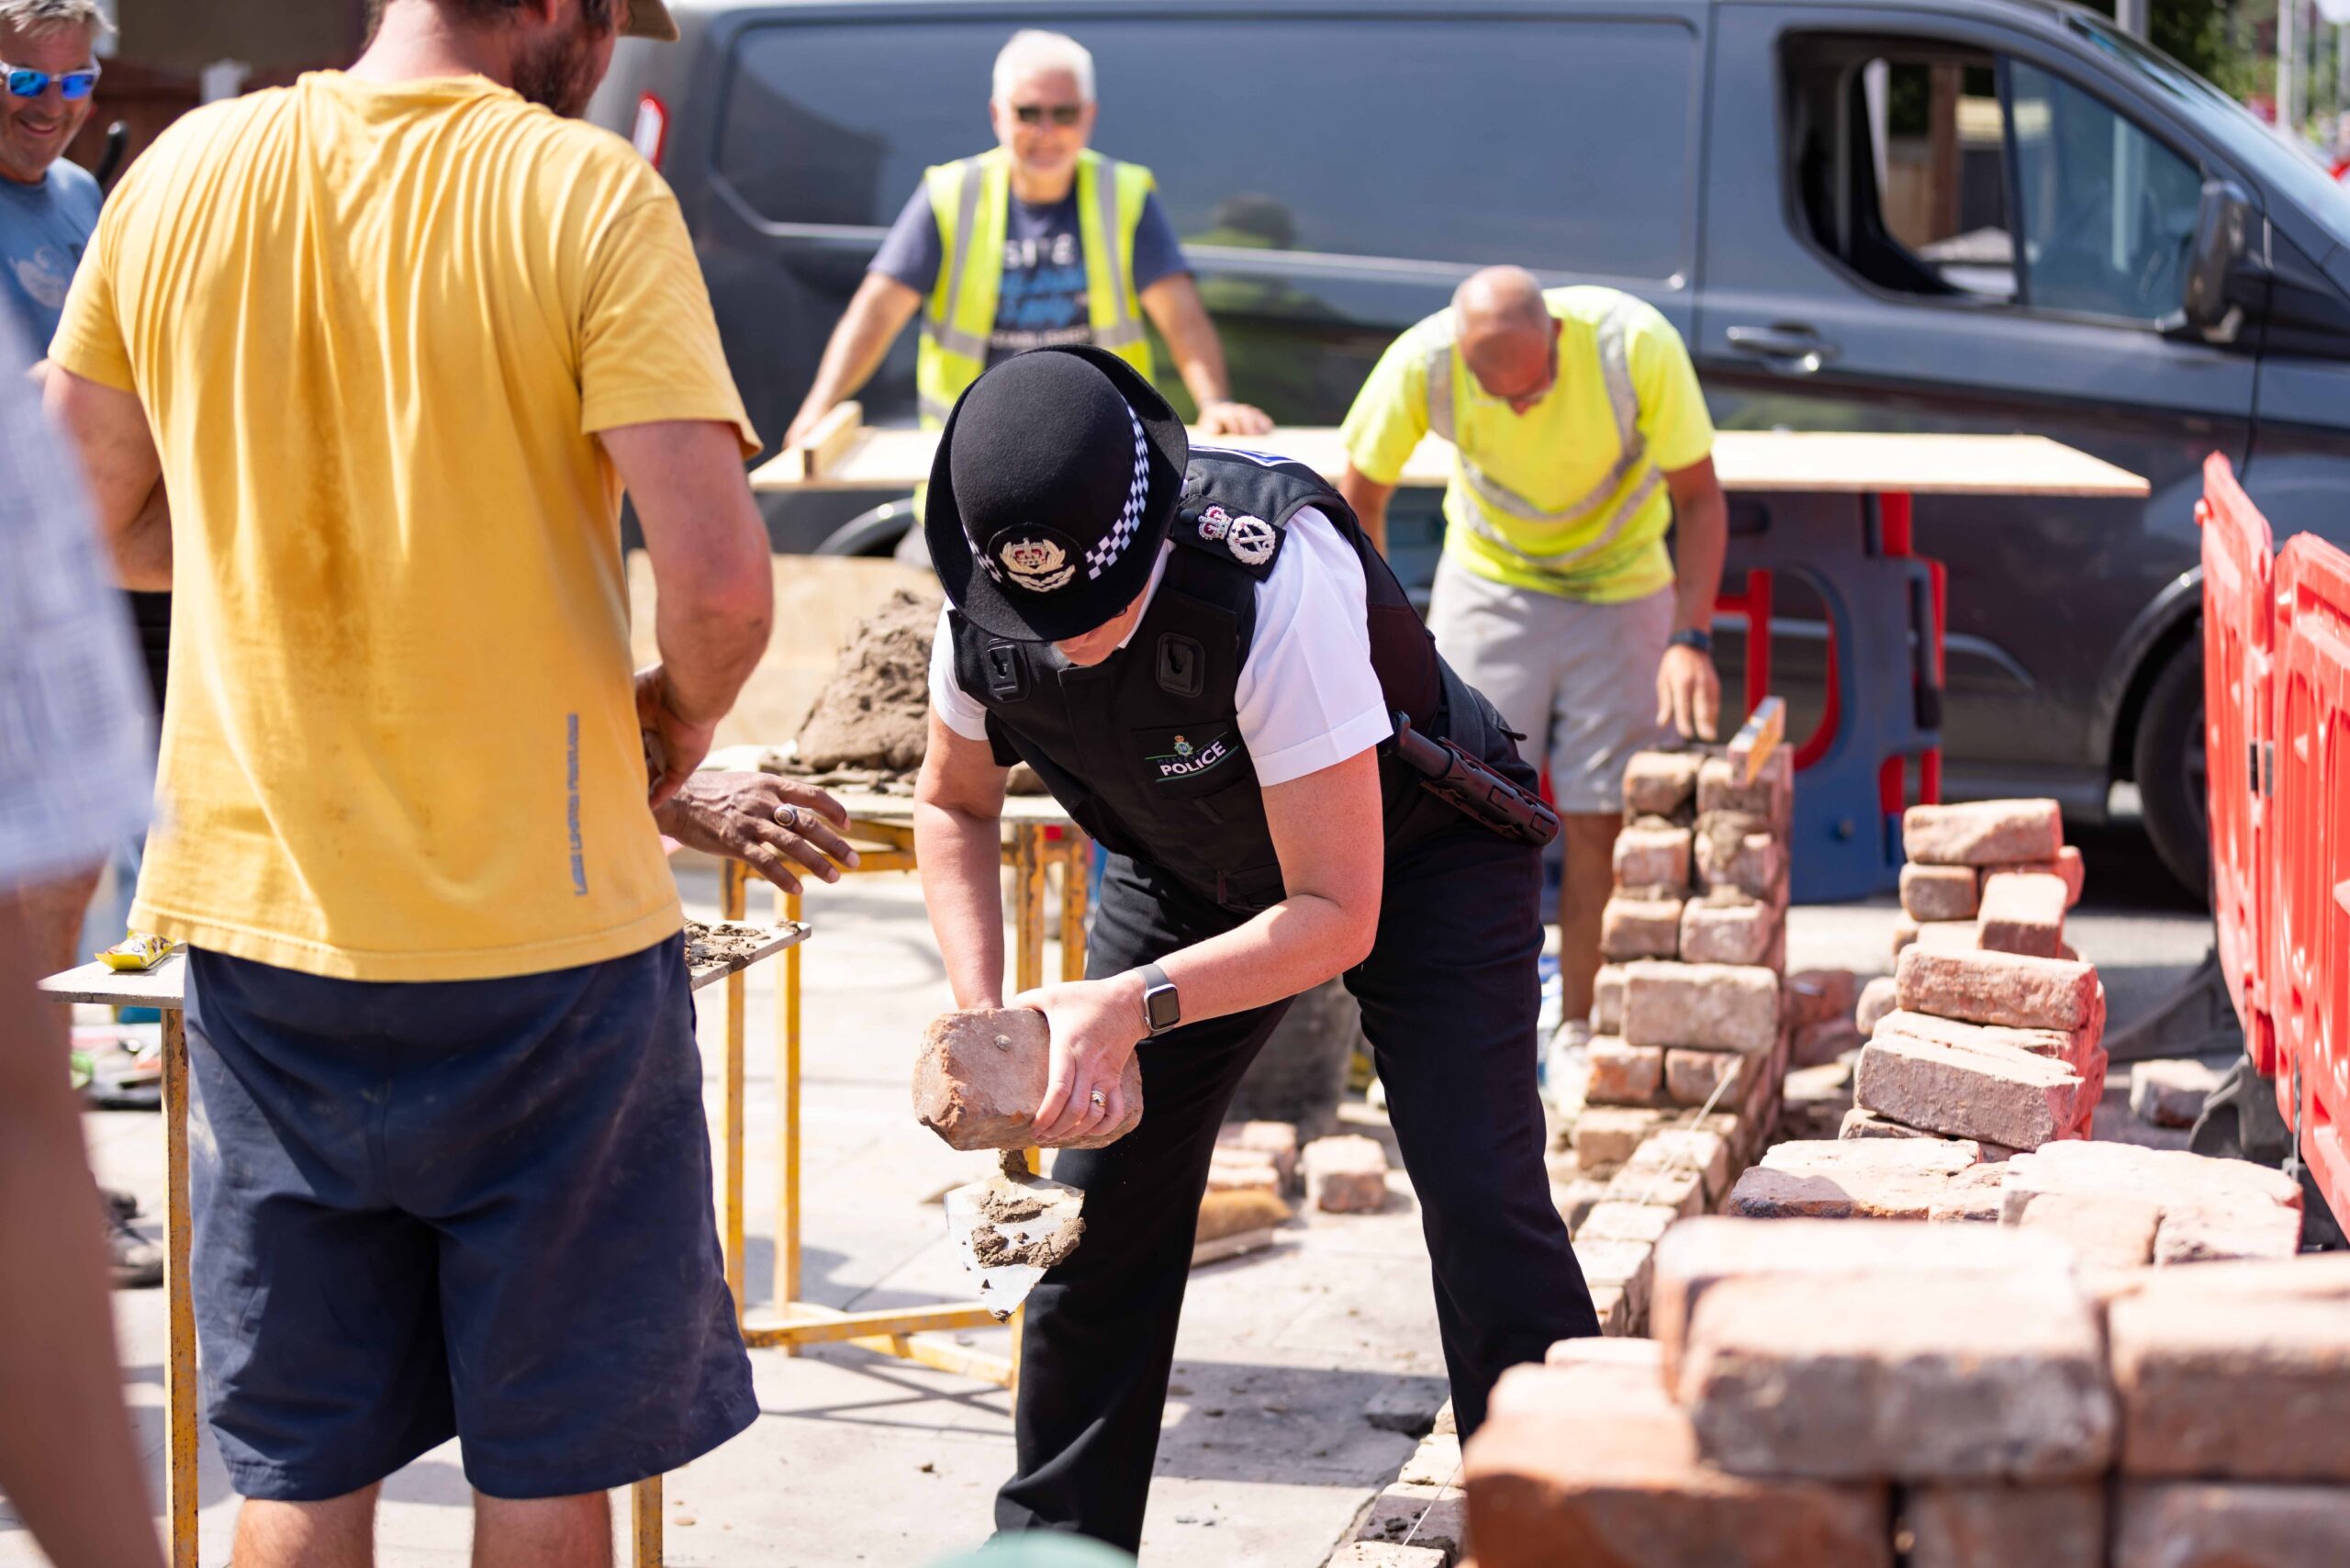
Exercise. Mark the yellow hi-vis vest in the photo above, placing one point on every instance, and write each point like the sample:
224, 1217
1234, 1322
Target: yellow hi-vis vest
969, 199
1592, 522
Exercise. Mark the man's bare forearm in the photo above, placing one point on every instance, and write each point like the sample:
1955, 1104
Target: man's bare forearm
960, 855
713, 579
877, 313
1174, 306
1701, 545
1368, 498
123, 473
67, 1462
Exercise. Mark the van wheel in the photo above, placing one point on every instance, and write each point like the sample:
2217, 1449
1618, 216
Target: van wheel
2170, 767
874, 532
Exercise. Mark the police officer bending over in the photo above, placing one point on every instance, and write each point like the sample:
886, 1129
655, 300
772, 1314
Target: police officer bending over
1205, 661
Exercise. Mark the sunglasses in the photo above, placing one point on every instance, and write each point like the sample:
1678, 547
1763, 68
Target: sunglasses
23, 84
1059, 114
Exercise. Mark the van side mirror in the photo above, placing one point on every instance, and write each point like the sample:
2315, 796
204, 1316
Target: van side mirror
2222, 236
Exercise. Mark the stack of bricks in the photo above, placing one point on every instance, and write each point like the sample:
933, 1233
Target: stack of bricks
1830, 1396
2116, 1206
1998, 1047
1990, 874
1690, 1038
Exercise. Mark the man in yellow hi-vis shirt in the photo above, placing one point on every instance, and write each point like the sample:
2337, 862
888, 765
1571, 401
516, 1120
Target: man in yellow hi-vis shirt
1040, 242
1583, 438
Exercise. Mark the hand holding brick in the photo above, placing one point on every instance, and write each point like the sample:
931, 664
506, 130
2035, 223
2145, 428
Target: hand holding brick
982, 1074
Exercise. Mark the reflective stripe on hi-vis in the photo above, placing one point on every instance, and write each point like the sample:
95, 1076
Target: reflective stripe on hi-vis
931, 409
1623, 399
941, 328
1122, 330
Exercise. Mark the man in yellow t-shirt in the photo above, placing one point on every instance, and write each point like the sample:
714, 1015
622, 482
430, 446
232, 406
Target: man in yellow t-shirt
396, 340
1582, 439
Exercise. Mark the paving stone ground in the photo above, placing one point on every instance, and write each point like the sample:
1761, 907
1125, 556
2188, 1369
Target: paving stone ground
1266, 1456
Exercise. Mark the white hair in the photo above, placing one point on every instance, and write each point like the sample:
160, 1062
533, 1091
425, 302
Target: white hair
28, 17
1032, 49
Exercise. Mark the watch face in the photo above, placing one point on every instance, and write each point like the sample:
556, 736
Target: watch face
1160, 1005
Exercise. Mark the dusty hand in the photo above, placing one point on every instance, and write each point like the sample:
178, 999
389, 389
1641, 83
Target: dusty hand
674, 746
1095, 1027
1688, 693
1225, 417
777, 827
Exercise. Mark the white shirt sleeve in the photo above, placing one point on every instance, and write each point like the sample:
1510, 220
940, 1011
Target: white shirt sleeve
1308, 697
955, 706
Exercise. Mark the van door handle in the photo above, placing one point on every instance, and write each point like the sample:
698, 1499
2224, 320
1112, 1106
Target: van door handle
1789, 347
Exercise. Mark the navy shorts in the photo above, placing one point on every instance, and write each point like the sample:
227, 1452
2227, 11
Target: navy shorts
477, 1209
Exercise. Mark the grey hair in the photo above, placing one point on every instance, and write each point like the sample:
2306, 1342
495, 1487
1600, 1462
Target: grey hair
30, 16
1032, 49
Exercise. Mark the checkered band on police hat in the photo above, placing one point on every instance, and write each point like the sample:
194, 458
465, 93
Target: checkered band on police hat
1112, 544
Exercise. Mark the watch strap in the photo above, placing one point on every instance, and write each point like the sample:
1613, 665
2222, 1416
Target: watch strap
1695, 637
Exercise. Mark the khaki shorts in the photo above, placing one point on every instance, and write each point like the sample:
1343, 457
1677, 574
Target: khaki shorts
1577, 679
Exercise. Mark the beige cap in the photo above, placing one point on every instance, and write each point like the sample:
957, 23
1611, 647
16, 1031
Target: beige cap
650, 19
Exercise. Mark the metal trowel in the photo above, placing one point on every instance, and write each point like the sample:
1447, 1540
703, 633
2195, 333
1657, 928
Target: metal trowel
1012, 1227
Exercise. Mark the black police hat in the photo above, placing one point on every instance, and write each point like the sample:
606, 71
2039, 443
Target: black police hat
1054, 486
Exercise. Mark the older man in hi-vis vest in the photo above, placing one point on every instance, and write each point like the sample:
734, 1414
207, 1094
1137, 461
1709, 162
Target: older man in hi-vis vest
1037, 243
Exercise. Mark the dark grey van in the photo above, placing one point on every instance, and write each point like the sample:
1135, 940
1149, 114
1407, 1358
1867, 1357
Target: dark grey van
1976, 215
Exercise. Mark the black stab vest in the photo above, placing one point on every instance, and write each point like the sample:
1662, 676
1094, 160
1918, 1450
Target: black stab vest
1144, 750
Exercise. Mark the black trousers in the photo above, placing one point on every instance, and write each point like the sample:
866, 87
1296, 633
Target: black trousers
1450, 998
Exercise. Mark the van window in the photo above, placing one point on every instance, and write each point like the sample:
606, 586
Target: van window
1433, 138
1944, 171
1901, 167
2108, 213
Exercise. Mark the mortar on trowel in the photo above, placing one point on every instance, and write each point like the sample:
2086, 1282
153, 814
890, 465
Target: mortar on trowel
978, 1083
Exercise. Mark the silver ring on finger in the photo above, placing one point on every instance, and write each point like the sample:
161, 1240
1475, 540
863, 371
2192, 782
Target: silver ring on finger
1099, 1101
789, 816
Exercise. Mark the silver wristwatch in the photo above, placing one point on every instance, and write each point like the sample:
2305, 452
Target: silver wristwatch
1161, 1010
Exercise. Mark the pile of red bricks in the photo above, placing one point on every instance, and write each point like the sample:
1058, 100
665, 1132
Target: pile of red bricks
1998, 1047
1693, 1020
2117, 1206
1835, 1396
1994, 874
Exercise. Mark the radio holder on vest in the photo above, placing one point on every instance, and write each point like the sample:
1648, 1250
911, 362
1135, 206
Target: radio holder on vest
1471, 787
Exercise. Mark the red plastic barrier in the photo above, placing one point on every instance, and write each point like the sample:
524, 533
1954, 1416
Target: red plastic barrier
2239, 639
2309, 978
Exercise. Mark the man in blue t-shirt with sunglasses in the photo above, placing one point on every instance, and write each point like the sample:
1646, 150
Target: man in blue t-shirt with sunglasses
47, 205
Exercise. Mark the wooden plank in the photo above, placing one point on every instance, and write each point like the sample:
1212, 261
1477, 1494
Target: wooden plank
834, 435
1856, 462
160, 987
866, 810
1236, 1245
1764, 730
